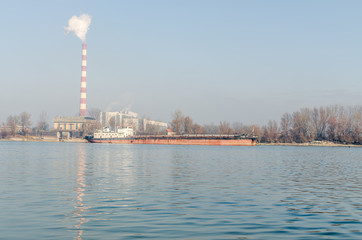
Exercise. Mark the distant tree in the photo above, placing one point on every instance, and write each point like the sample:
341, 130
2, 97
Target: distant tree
285, 128
94, 113
90, 128
12, 123
141, 127
25, 122
155, 130
342, 126
323, 123
197, 129
224, 128
210, 129
332, 128
302, 131
254, 131
188, 125
150, 129
357, 125
239, 128
270, 132
4, 131
177, 123
112, 123
42, 124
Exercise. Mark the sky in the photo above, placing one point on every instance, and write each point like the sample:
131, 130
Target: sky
236, 61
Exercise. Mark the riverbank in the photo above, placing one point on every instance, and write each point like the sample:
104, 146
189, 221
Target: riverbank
42, 139
81, 140
311, 144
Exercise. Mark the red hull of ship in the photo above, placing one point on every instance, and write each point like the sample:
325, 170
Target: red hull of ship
215, 142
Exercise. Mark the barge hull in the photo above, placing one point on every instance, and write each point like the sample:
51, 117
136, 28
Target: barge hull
215, 142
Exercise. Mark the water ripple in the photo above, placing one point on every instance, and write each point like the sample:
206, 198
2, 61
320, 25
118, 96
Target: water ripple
90, 191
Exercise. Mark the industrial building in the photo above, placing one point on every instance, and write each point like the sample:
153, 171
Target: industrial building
69, 127
148, 124
130, 119
119, 119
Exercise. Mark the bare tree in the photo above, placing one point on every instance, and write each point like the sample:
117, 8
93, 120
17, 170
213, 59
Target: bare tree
210, 129
188, 125
302, 131
42, 124
270, 132
177, 123
285, 128
253, 131
12, 123
4, 131
332, 128
197, 129
155, 130
94, 113
357, 125
224, 128
323, 123
25, 122
239, 128
346, 130
112, 123
90, 128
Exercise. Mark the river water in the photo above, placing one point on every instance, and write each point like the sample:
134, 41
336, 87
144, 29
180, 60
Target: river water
105, 191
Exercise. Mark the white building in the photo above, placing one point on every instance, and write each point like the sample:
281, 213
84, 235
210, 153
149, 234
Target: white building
105, 118
127, 118
147, 123
120, 119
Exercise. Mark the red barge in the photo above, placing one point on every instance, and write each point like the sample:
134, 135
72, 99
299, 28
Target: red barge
125, 136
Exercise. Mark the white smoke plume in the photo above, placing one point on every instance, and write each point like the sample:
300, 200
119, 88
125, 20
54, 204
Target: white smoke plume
79, 25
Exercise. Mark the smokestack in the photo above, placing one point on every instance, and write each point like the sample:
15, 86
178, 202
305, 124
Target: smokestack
83, 83
80, 25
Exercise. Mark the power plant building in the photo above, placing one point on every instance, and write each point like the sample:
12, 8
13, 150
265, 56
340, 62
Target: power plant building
119, 119
68, 127
124, 119
151, 124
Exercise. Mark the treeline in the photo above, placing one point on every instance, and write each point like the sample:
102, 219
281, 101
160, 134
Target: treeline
337, 124
182, 124
334, 123
21, 125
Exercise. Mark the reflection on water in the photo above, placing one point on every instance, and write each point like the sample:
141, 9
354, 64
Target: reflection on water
110, 191
81, 185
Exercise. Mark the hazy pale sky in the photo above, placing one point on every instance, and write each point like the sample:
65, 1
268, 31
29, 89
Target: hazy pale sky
247, 61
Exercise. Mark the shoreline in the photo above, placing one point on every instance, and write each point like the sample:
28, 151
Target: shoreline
43, 139
81, 140
328, 144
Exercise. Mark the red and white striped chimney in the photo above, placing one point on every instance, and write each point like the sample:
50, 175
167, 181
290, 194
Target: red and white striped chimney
83, 84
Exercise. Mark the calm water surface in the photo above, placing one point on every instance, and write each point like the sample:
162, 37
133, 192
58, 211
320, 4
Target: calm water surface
90, 191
